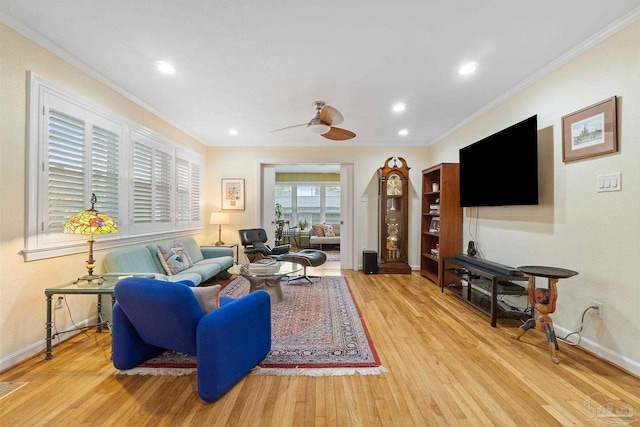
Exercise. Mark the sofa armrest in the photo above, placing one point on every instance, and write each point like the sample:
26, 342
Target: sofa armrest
216, 251
231, 341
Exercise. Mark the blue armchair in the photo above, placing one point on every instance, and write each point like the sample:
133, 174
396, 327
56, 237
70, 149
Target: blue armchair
151, 316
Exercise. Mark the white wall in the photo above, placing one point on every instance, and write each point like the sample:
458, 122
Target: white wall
596, 234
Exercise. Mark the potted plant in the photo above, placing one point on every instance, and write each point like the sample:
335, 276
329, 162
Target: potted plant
279, 213
303, 224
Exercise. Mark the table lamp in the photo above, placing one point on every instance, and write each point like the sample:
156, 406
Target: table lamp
219, 218
90, 222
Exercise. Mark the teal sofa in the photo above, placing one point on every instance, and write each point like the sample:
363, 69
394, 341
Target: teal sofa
143, 260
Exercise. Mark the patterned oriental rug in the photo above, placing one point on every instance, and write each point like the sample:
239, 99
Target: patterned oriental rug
316, 331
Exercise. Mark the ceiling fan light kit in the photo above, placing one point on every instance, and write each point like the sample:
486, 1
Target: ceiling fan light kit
322, 123
319, 127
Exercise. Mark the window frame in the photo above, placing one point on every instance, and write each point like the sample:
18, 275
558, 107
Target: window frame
294, 219
41, 244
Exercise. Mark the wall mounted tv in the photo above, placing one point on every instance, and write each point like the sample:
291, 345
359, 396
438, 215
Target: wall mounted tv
501, 169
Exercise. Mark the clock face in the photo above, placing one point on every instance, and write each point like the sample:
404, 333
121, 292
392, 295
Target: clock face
394, 185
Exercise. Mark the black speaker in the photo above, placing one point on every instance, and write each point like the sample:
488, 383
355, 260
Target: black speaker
370, 262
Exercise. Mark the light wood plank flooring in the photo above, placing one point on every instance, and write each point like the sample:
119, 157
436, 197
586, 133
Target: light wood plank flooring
447, 367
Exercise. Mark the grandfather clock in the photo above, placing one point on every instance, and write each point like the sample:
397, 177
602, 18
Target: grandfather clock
394, 216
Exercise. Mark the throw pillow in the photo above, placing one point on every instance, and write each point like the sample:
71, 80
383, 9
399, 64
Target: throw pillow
328, 230
208, 297
318, 229
262, 248
174, 257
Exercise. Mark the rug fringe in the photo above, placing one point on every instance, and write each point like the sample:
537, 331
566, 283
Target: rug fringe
157, 371
319, 372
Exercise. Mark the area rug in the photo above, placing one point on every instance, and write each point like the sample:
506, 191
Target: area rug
316, 331
332, 255
8, 387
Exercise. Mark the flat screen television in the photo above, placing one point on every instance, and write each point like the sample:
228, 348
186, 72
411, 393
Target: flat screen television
501, 169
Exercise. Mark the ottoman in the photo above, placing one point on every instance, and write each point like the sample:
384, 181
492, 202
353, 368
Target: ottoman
306, 258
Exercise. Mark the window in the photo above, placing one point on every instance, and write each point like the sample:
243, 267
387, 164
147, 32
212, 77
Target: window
76, 148
188, 190
80, 156
317, 203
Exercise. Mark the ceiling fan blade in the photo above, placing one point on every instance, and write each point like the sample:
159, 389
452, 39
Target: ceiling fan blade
289, 127
331, 116
338, 134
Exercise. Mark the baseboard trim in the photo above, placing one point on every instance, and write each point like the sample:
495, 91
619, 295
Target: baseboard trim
623, 362
41, 346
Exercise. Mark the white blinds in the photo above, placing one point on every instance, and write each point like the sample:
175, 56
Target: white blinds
66, 172
145, 182
188, 190
152, 192
81, 157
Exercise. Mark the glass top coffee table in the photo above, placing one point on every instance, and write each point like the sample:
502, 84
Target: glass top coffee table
266, 274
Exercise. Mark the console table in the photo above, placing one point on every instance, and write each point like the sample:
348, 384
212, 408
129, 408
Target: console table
483, 281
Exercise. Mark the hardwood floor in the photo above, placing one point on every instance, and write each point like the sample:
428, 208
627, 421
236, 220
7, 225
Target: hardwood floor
447, 367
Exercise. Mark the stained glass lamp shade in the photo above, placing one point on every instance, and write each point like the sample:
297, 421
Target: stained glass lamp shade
90, 222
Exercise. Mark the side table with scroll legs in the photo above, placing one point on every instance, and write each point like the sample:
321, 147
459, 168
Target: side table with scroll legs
544, 301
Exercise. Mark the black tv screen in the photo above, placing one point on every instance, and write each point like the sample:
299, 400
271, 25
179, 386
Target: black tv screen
501, 169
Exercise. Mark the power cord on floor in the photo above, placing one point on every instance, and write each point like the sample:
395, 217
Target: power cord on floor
564, 340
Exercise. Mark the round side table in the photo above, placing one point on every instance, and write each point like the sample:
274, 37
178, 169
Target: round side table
544, 301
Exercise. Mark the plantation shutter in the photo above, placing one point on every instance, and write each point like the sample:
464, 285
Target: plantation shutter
105, 166
183, 206
196, 193
188, 190
66, 175
142, 184
162, 175
152, 190
80, 156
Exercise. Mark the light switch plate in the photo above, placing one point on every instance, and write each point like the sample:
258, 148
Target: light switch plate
608, 182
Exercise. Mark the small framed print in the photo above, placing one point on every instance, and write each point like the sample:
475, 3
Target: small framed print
232, 194
590, 132
434, 226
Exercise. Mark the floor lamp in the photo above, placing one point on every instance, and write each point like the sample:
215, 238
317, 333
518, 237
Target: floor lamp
220, 218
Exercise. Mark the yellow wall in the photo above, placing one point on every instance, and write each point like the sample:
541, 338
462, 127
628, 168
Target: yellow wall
22, 302
574, 227
596, 234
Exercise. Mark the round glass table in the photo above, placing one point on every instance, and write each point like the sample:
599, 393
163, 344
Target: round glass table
266, 274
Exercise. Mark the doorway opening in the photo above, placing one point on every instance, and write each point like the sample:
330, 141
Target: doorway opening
310, 194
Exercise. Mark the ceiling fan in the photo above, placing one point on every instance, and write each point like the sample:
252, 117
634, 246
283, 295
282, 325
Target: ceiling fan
322, 124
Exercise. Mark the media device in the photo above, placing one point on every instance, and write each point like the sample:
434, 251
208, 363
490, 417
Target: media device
501, 169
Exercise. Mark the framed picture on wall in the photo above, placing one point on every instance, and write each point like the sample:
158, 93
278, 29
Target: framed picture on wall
590, 132
232, 194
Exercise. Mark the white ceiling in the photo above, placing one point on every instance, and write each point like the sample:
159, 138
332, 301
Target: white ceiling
257, 65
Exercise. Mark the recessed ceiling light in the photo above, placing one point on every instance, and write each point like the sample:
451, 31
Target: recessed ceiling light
403, 132
165, 67
399, 107
468, 68
233, 132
